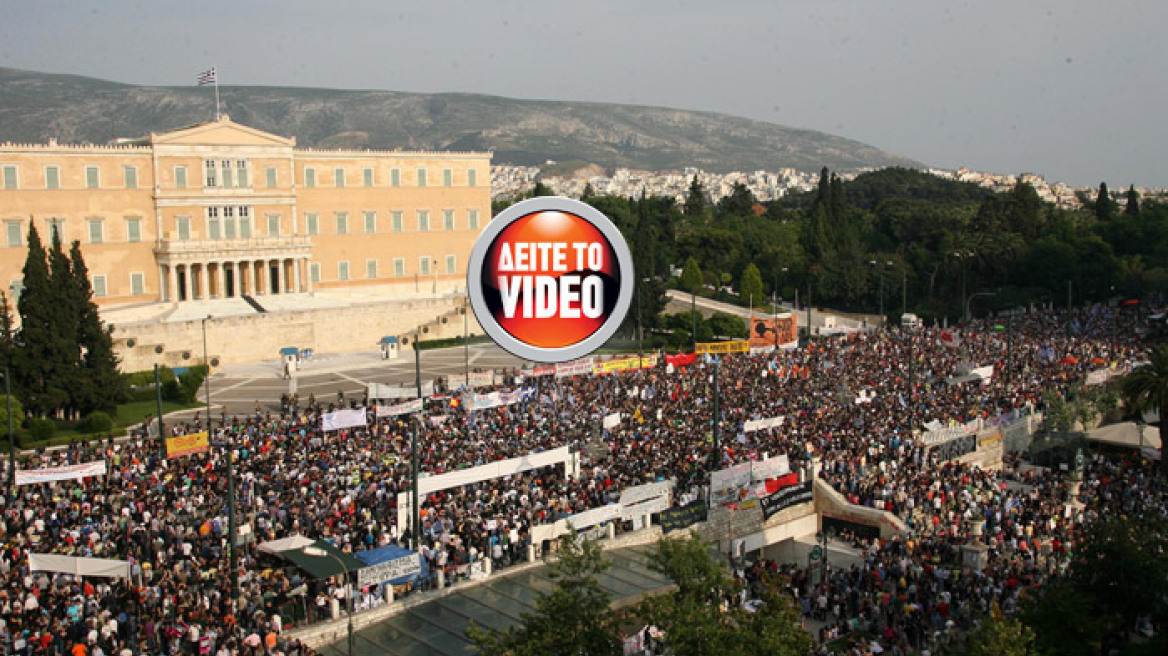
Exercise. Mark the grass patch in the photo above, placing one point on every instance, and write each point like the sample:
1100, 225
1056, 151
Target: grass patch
129, 414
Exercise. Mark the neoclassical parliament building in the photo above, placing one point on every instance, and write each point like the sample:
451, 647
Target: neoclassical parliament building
222, 210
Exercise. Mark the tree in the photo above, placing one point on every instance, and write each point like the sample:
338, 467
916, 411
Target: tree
575, 617
739, 202
42, 350
691, 276
541, 189
1146, 388
99, 384
1004, 637
694, 621
751, 285
1133, 202
1103, 204
588, 192
695, 200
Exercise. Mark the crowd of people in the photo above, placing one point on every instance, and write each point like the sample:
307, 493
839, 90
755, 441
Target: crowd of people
168, 517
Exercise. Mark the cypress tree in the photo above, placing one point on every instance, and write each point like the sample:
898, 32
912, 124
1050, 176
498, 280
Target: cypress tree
695, 200
100, 386
37, 359
65, 307
1133, 202
1103, 209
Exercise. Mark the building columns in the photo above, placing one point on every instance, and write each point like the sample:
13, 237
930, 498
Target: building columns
296, 276
255, 276
281, 277
220, 281
204, 283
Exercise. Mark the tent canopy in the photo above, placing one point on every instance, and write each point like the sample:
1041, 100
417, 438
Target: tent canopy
79, 566
274, 547
393, 552
322, 567
1127, 434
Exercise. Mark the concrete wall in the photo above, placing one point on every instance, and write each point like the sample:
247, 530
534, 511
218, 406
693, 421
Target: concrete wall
258, 337
830, 503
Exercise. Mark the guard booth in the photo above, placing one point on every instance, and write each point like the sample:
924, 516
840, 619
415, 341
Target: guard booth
389, 348
290, 360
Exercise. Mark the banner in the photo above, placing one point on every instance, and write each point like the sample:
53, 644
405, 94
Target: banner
645, 499
611, 421
772, 331
66, 473
476, 379
103, 567
624, 364
379, 391
185, 445
575, 368
340, 419
389, 570
765, 470
682, 359
731, 477
496, 399
675, 519
785, 498
400, 409
762, 424
738, 346
949, 338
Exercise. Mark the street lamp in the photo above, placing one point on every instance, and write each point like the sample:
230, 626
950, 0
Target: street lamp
887, 265
970, 300
416, 522
962, 257
317, 552
640, 327
232, 531
11, 439
434, 266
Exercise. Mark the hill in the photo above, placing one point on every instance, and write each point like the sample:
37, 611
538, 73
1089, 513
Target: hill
35, 107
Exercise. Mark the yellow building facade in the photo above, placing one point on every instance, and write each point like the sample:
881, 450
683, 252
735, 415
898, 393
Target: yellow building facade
222, 210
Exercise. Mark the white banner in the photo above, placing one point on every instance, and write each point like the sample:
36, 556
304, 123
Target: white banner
984, 373
654, 505
575, 368
731, 477
399, 409
380, 391
389, 570
338, 419
496, 399
940, 435
66, 473
79, 566
644, 492
498, 469
611, 420
765, 470
1100, 376
762, 424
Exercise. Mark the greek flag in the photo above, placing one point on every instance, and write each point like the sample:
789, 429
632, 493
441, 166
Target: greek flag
206, 77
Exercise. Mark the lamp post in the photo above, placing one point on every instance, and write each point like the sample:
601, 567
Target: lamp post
970, 300
11, 439
158, 401
640, 327
904, 291
434, 266
317, 552
716, 456
232, 530
415, 510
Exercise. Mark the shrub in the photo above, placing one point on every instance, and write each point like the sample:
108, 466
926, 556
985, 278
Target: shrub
41, 430
96, 422
17, 412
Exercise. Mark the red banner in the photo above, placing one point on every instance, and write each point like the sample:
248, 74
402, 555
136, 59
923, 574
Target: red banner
787, 480
681, 360
772, 332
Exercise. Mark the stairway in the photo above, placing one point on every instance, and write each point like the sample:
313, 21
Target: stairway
255, 304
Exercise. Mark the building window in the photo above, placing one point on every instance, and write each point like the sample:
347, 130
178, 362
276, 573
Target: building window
137, 284
15, 233
342, 223
472, 218
99, 290
15, 289
371, 269
421, 177
448, 219
184, 228
242, 179
339, 177
447, 178
273, 225
225, 173
131, 175
212, 174
309, 177
423, 221
95, 231
52, 177
57, 230
397, 221
399, 267
342, 270
229, 222
395, 177
245, 222
424, 265
370, 223
314, 271
368, 175
451, 263
213, 223
180, 177
133, 230
311, 226
10, 177
92, 180
271, 175
472, 177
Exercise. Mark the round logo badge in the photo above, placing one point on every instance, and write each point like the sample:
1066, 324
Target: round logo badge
550, 279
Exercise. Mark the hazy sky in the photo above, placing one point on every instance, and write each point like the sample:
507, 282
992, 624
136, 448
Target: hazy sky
1070, 89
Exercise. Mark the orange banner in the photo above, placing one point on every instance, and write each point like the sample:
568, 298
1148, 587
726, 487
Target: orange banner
769, 332
185, 445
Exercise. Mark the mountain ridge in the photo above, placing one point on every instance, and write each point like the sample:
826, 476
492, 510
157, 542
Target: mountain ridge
36, 107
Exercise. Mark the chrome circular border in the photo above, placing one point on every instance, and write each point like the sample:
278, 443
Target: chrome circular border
486, 239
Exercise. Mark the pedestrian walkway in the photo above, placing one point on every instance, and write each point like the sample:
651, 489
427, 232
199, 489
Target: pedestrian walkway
438, 627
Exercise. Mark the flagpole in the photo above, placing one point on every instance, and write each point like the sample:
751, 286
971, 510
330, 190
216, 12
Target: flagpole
215, 73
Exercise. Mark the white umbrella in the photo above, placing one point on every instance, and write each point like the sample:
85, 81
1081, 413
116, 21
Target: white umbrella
876, 648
